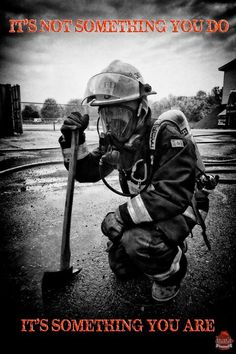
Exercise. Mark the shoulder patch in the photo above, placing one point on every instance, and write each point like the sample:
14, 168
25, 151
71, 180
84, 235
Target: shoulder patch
176, 143
153, 135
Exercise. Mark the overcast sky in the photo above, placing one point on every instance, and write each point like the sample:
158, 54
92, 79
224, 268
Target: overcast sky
59, 65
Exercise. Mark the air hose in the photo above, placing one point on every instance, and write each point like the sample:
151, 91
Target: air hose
148, 181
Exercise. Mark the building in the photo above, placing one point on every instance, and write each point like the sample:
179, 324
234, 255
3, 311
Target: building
229, 82
227, 117
10, 110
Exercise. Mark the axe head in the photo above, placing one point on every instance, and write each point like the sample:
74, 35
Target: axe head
58, 278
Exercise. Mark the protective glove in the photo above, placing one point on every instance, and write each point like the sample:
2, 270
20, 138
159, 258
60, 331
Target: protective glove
112, 226
208, 182
74, 121
111, 158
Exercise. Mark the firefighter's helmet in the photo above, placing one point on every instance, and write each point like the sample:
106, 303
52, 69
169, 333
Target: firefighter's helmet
119, 82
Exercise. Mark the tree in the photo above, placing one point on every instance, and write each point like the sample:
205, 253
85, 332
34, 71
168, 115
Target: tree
194, 107
202, 95
35, 114
161, 106
74, 105
215, 96
51, 109
29, 112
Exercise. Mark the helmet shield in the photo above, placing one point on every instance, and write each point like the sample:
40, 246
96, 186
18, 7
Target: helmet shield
118, 121
109, 88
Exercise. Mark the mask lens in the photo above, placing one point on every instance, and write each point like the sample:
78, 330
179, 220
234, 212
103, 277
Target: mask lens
118, 121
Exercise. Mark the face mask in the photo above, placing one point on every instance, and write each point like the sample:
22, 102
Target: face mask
118, 122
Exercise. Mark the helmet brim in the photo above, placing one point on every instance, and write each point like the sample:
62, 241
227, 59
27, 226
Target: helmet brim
110, 88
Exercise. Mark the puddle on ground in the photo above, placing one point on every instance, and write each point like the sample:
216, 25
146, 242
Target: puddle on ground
54, 178
43, 180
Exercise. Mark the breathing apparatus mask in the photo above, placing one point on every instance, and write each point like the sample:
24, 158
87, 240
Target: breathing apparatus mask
118, 122
121, 132
121, 138
119, 125
121, 96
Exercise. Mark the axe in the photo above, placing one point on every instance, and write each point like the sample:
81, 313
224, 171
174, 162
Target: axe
66, 272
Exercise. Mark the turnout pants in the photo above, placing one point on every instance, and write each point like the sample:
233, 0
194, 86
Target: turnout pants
145, 250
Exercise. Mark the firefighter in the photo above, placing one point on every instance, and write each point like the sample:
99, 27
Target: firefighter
158, 165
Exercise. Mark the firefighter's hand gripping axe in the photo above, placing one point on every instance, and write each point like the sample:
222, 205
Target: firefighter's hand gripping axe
66, 272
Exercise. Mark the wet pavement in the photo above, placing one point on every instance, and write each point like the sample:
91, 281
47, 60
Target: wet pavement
32, 206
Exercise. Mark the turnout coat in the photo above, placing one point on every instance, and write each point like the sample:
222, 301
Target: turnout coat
167, 202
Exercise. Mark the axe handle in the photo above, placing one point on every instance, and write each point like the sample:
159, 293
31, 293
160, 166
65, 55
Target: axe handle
65, 245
